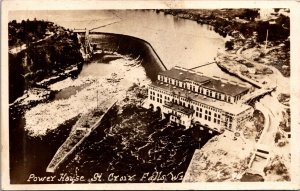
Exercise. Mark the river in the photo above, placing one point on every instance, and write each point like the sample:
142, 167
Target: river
177, 41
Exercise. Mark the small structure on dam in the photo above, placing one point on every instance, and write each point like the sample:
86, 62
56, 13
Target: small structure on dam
189, 97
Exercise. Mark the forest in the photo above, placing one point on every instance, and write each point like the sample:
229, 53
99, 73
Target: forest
50, 49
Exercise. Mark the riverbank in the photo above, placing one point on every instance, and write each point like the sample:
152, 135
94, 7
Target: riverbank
121, 73
246, 34
219, 160
49, 114
264, 64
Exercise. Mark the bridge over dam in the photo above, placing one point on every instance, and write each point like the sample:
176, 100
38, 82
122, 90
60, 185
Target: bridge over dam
126, 45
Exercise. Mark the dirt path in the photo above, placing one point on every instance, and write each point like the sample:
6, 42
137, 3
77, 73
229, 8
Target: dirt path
275, 80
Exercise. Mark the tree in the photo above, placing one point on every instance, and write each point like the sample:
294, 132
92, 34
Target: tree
229, 45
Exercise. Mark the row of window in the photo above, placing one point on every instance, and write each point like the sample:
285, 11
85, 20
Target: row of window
159, 100
207, 117
229, 125
184, 99
199, 109
207, 107
173, 118
153, 90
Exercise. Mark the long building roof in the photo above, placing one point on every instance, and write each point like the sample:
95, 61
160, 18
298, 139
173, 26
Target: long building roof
217, 85
182, 74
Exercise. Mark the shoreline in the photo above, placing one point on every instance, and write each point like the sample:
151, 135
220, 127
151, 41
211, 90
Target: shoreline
241, 43
112, 79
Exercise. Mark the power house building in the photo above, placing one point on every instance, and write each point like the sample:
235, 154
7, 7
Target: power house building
189, 97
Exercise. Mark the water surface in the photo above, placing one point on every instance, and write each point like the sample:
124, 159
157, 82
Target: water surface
177, 41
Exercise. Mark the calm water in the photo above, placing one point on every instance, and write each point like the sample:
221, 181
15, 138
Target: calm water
177, 41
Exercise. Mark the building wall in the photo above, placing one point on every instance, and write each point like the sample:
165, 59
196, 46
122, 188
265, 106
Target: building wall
213, 117
242, 117
204, 114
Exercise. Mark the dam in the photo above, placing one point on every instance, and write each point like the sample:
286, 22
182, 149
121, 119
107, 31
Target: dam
166, 47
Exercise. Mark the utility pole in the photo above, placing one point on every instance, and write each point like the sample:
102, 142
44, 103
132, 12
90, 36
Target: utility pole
97, 99
266, 40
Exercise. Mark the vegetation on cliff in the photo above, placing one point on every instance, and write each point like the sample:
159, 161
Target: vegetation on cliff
49, 50
28, 31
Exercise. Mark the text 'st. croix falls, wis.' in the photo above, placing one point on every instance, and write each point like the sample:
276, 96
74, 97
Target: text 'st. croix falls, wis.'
149, 96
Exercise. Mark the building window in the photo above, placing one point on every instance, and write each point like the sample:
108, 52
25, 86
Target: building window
209, 113
218, 121
205, 117
200, 115
214, 120
209, 118
205, 111
157, 100
196, 114
200, 109
215, 115
219, 116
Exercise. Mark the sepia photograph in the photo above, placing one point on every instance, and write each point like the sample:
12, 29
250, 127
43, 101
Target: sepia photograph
148, 95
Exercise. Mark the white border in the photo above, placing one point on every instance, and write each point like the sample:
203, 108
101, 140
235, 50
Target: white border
143, 4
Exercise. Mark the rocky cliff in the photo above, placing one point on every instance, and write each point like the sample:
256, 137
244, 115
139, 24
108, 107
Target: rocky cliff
35, 55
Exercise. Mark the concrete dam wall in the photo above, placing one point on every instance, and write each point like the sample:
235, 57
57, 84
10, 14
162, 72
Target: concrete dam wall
135, 47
